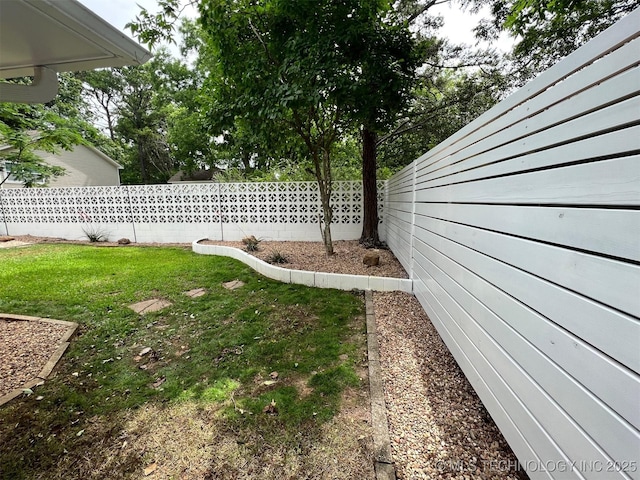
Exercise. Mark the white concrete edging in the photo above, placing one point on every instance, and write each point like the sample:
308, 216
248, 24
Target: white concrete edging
311, 279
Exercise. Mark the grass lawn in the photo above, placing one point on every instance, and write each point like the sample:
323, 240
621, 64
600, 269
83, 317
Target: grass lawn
205, 401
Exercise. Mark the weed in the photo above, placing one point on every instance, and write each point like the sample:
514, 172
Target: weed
95, 233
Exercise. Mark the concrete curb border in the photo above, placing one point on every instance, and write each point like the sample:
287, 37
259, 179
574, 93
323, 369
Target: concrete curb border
302, 277
383, 461
53, 360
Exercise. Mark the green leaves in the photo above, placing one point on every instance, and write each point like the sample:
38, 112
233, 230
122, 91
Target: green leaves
159, 27
547, 30
27, 130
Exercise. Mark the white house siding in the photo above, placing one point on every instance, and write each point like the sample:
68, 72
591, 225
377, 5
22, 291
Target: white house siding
84, 167
522, 235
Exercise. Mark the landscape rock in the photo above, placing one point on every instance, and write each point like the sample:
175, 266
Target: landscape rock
371, 259
152, 305
124, 241
6, 238
195, 293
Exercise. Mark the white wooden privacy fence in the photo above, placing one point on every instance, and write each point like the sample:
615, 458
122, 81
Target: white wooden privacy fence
522, 235
182, 213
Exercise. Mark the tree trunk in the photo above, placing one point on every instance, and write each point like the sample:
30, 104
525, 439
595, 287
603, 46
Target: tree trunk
325, 183
322, 164
246, 161
142, 161
370, 236
327, 215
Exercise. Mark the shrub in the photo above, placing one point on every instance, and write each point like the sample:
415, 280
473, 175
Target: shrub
277, 257
95, 233
251, 243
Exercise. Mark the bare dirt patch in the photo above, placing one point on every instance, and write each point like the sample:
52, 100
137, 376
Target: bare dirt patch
12, 243
20, 240
193, 441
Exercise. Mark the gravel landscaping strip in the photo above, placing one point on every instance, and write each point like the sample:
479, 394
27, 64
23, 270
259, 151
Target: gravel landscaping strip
438, 426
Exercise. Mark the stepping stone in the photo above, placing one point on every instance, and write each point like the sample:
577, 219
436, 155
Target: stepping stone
233, 284
195, 293
152, 305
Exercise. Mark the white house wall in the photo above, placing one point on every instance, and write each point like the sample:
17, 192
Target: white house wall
522, 235
84, 168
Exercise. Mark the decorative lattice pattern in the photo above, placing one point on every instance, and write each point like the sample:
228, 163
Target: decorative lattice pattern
261, 203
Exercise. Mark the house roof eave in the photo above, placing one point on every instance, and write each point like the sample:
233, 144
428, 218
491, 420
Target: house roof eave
45, 37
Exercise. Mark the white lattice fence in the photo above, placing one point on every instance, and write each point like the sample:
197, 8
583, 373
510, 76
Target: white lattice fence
181, 213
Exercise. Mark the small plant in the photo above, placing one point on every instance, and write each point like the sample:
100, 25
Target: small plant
95, 234
277, 257
251, 243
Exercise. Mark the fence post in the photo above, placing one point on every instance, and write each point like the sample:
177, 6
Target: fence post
4, 218
220, 213
133, 223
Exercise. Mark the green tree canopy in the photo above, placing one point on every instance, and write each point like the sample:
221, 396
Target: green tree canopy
319, 69
547, 31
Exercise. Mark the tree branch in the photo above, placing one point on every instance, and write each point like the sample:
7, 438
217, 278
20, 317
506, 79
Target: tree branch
423, 9
264, 45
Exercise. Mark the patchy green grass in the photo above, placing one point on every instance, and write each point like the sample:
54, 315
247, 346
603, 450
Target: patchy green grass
238, 383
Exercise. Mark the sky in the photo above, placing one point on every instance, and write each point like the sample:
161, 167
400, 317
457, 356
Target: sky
458, 24
119, 12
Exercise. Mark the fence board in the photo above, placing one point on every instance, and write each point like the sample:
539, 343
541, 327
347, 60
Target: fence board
595, 230
597, 98
617, 116
610, 282
587, 320
401, 210
538, 151
399, 240
610, 182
